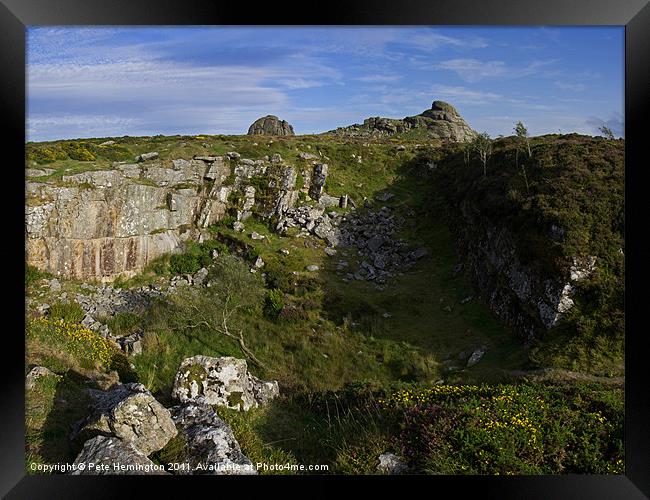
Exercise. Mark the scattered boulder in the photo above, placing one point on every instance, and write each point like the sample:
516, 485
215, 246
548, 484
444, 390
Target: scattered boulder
270, 125
201, 275
312, 268
131, 413
385, 196
146, 157
419, 253
108, 143
35, 172
55, 285
389, 463
103, 455
319, 177
223, 381
132, 344
36, 373
256, 236
210, 446
476, 356
375, 243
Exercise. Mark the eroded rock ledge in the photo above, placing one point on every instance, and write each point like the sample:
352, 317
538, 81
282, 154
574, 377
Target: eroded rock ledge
98, 225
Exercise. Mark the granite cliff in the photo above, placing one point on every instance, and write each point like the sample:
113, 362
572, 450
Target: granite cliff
106, 223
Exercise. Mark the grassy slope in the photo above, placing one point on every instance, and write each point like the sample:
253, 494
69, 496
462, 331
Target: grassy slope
342, 336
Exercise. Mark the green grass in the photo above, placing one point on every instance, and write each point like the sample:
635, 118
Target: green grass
55, 403
329, 345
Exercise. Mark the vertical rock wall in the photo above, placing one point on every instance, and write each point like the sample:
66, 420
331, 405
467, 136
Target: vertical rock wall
98, 225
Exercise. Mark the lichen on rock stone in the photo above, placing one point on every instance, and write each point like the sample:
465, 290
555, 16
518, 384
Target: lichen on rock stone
223, 381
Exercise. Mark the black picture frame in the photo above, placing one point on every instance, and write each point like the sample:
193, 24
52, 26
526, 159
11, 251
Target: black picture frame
16, 15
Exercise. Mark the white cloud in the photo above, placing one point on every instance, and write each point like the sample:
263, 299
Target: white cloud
43, 127
474, 70
433, 41
573, 87
464, 95
379, 78
299, 83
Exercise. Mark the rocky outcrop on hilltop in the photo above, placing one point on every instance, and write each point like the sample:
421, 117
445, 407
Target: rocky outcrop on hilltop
270, 125
441, 121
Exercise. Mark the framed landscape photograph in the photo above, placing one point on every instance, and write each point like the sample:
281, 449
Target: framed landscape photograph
374, 243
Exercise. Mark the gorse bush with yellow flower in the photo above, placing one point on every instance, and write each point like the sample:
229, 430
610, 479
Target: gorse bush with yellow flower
495, 429
88, 347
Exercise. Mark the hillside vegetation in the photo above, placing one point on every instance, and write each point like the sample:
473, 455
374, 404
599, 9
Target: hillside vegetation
364, 370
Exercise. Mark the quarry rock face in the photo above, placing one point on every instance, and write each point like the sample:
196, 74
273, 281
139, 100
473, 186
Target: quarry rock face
270, 125
101, 224
525, 297
441, 121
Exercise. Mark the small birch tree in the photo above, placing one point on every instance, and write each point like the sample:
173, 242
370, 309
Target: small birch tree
483, 146
607, 132
523, 143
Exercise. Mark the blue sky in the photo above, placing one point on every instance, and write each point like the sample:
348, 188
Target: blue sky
114, 81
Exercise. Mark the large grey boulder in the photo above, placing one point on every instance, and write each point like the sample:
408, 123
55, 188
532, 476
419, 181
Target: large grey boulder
270, 125
129, 412
104, 455
210, 446
146, 156
221, 381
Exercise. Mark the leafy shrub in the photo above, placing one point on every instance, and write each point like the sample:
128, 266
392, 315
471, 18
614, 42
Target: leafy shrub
293, 313
70, 312
33, 274
277, 277
123, 324
159, 265
184, 263
227, 221
196, 256
274, 303
114, 152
